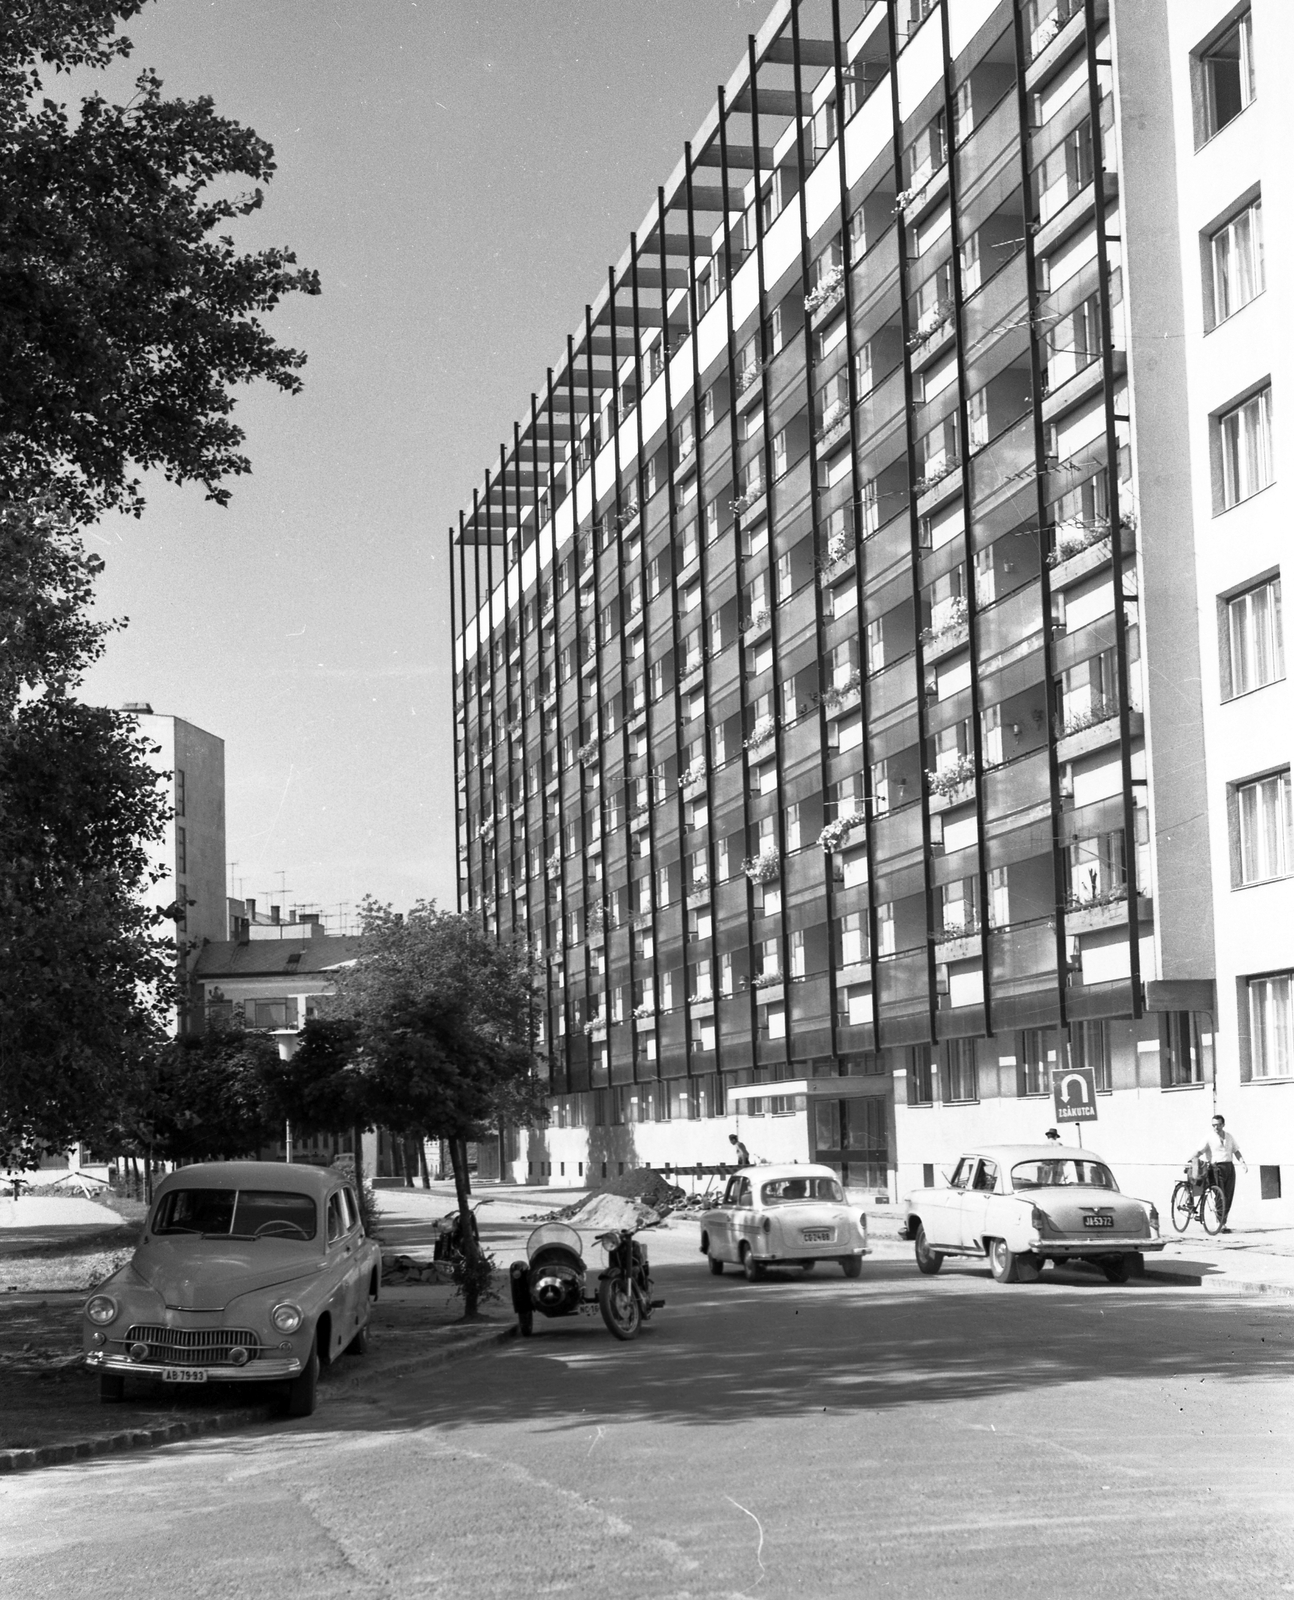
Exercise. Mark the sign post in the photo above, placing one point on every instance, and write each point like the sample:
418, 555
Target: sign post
1074, 1092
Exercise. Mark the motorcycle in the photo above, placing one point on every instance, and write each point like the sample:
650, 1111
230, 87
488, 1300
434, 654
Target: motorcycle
553, 1280
450, 1247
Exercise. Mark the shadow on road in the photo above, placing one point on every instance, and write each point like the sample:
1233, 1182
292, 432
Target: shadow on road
723, 1350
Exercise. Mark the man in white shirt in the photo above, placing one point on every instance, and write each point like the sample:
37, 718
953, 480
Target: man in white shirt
1222, 1152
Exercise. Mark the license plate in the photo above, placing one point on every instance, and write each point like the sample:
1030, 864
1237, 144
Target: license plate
183, 1375
1098, 1222
816, 1235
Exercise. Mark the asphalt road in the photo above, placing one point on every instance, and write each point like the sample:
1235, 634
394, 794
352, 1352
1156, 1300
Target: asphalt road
897, 1436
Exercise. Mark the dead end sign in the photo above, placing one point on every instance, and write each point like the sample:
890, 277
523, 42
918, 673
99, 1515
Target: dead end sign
1075, 1093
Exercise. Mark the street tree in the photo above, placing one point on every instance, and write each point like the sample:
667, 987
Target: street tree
206, 1097
443, 1017
128, 317
323, 1086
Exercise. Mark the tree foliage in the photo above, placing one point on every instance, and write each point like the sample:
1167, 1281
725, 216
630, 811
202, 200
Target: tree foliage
208, 1098
127, 315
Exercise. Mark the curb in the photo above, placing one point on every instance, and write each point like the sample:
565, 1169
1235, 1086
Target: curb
106, 1444
1219, 1283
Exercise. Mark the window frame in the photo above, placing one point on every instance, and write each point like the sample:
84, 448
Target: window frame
1249, 204
1227, 493
1236, 828
1238, 20
1226, 635
1250, 1053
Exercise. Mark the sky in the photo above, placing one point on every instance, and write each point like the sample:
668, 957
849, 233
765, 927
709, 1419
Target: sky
460, 172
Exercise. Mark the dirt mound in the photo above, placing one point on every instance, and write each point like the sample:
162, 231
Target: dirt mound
643, 1186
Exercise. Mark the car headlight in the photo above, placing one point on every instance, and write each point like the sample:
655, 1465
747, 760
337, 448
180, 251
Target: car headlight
286, 1318
101, 1309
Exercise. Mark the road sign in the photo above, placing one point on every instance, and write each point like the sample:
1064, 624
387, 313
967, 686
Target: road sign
1074, 1089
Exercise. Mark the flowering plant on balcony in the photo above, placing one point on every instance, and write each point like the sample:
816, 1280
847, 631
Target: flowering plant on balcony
835, 419
553, 865
587, 752
835, 833
964, 929
743, 502
766, 980
838, 693
596, 920
699, 999
1096, 898
748, 376
947, 781
930, 322
645, 1011
487, 827
693, 773
829, 290
763, 867
1102, 709
761, 733
595, 1027
838, 546
939, 468
627, 513
953, 616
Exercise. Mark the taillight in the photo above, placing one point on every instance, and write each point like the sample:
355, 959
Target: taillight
1038, 1220
862, 1223
1154, 1218
768, 1224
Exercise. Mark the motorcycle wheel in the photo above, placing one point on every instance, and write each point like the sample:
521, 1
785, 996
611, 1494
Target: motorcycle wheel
619, 1307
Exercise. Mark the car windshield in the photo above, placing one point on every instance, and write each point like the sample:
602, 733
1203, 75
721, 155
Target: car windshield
1047, 1173
237, 1213
785, 1191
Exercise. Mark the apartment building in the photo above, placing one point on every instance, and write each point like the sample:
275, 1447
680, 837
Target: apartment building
833, 636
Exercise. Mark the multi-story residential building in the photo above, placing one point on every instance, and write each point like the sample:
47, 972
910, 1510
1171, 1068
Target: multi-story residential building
191, 852
829, 635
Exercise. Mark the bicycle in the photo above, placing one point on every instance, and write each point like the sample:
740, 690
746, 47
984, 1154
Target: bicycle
1198, 1195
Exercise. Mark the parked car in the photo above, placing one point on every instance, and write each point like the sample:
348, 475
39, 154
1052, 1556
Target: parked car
793, 1216
1023, 1205
248, 1272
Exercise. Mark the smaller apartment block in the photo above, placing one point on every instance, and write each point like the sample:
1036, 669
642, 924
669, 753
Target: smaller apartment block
829, 635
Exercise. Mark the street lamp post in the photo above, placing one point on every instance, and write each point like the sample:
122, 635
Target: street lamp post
287, 1040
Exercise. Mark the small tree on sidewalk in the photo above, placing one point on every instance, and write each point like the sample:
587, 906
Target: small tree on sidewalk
443, 1021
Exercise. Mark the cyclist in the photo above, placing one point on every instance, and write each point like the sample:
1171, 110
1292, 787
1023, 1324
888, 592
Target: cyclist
1221, 1152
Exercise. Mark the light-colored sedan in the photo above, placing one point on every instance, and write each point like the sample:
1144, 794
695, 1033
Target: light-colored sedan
1021, 1206
793, 1216
248, 1272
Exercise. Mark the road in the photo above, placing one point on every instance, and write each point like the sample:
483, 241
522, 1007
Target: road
898, 1436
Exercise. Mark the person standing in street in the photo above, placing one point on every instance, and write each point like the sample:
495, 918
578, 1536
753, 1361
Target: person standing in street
1222, 1152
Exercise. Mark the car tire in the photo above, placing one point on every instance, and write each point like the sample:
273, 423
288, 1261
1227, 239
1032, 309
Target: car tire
1028, 1267
112, 1388
1002, 1263
1117, 1269
359, 1344
753, 1269
928, 1261
852, 1266
716, 1266
303, 1389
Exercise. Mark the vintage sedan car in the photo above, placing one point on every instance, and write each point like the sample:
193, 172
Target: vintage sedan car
1023, 1205
248, 1272
793, 1216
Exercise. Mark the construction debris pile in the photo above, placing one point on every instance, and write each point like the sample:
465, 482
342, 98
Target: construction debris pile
628, 1201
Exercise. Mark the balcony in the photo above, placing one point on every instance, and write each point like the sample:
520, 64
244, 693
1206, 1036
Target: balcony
1080, 736
1107, 911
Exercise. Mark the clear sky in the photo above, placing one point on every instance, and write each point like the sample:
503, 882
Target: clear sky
460, 172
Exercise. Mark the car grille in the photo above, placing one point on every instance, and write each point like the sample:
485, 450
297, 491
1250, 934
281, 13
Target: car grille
193, 1347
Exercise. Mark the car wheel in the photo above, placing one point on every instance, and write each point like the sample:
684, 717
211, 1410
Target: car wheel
1181, 1207
1117, 1269
716, 1266
928, 1261
303, 1389
753, 1269
1002, 1263
1028, 1267
852, 1266
112, 1388
359, 1344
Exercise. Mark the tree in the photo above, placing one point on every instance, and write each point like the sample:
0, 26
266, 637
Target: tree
208, 1097
322, 1088
126, 316
443, 1019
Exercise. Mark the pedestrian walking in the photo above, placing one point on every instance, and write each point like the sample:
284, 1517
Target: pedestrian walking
1222, 1152
739, 1150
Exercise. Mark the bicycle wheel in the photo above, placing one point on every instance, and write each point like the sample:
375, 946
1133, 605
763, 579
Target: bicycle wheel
1182, 1210
1213, 1209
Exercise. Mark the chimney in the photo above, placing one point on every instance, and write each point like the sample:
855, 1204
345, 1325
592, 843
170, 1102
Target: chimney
310, 921
251, 909
275, 913
141, 708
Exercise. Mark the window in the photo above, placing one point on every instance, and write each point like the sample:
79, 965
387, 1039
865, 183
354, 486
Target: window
1185, 1054
1253, 649
1236, 253
921, 1078
1227, 76
181, 850
959, 1076
852, 938
179, 791
1246, 439
1271, 1027
1263, 828
1035, 1062
1089, 1046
